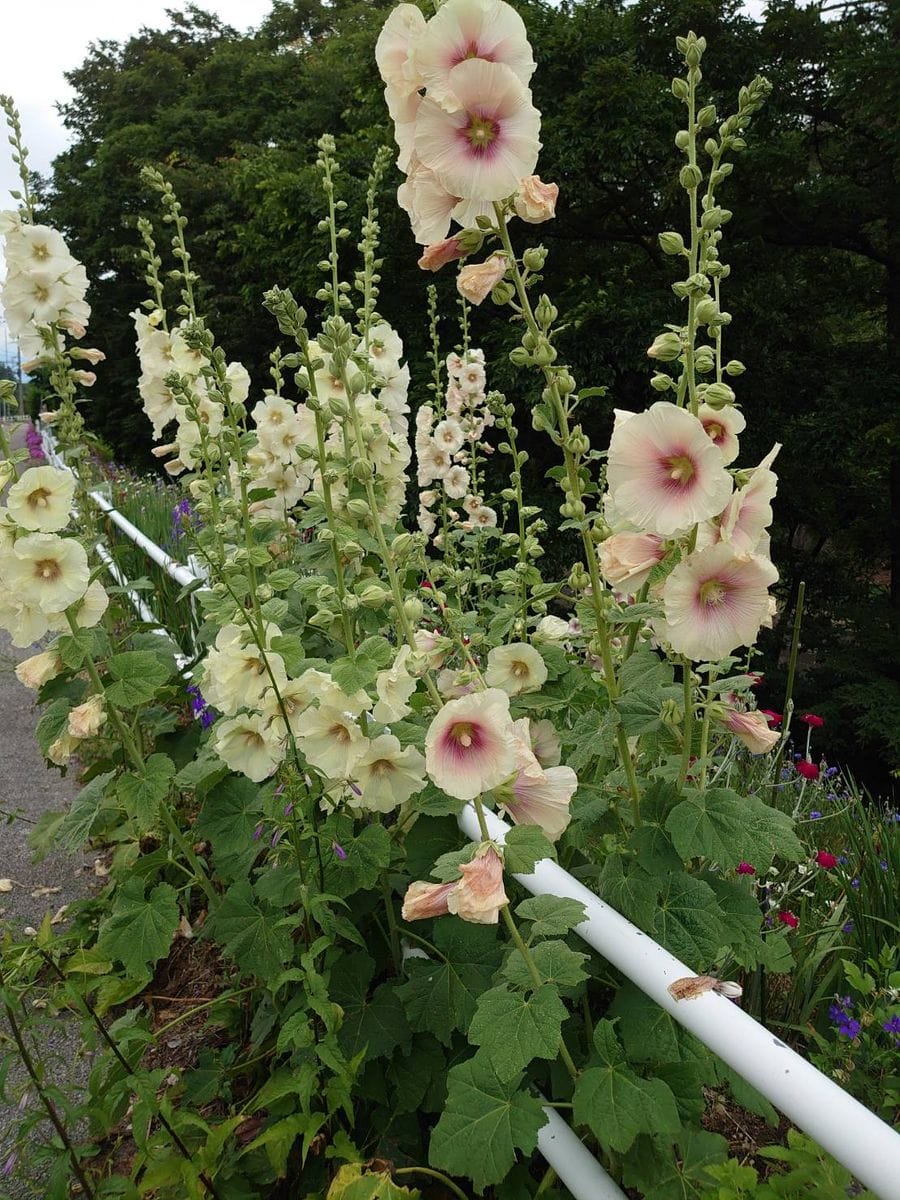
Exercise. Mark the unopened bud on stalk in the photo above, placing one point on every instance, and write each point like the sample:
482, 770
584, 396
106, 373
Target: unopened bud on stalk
413, 608
662, 383
706, 116
690, 176
323, 619
706, 311
338, 406
718, 395
671, 242
350, 603
546, 312
374, 596
544, 354
680, 88
519, 357
578, 578
671, 713
666, 347
704, 359
682, 140
359, 508
733, 367
534, 258
502, 292
362, 470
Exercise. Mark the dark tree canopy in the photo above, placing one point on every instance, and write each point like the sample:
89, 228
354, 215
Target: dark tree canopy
815, 290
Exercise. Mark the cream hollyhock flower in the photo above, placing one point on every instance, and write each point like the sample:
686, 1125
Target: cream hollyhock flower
553, 630
87, 719
63, 748
626, 560
403, 109
463, 30
456, 482
664, 473
722, 426
38, 246
427, 203
469, 747
394, 688
25, 623
545, 743
475, 281
399, 35
483, 517
753, 730
424, 900
47, 572
34, 672
716, 600
387, 774
86, 613
446, 251
332, 741
515, 668
235, 676
42, 499
749, 513
449, 435
481, 150
249, 744
534, 201
433, 646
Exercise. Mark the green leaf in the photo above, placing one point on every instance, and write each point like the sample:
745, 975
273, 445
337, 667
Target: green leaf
54, 720
138, 674
687, 920
656, 1171
644, 671
248, 934
354, 1181
140, 929
485, 1120
555, 659
627, 888
639, 712
592, 736
647, 1031
201, 773
75, 827
524, 846
727, 828
512, 1028
230, 814
440, 997
376, 1023
142, 793
368, 854
435, 803
72, 648
552, 916
358, 671
615, 1103
415, 1073
556, 962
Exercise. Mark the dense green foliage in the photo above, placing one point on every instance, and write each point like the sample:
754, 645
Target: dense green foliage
234, 120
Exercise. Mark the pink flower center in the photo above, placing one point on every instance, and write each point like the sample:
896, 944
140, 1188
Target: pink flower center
481, 132
712, 593
715, 430
464, 738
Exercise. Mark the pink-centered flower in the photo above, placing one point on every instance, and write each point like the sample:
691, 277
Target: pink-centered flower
716, 600
463, 30
538, 795
482, 149
470, 747
663, 471
748, 513
427, 203
753, 730
722, 426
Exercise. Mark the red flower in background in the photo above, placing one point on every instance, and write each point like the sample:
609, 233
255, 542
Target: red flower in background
812, 720
774, 718
745, 868
788, 918
826, 859
807, 769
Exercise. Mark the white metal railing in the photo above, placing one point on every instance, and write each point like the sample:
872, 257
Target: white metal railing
856, 1137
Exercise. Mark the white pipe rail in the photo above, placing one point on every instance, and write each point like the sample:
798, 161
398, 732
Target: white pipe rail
176, 570
139, 606
574, 1163
849, 1131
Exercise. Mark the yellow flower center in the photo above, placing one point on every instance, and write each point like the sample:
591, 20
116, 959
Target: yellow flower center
519, 669
39, 498
381, 767
462, 733
681, 469
481, 132
712, 593
715, 431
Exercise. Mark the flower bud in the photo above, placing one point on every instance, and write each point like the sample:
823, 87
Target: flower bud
680, 88
682, 140
706, 310
690, 176
362, 469
544, 354
671, 242
733, 367
519, 357
666, 347
413, 608
535, 201
374, 596
359, 508
502, 292
338, 406
706, 116
718, 395
534, 258
661, 383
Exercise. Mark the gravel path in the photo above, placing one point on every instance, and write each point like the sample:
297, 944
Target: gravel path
28, 891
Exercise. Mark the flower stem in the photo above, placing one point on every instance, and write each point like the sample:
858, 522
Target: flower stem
444, 1179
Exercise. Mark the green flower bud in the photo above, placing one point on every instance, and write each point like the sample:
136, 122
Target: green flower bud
706, 116
682, 139
666, 347
704, 359
470, 240
338, 406
545, 312
402, 544
719, 395
323, 619
671, 243
374, 596
362, 470
662, 383
519, 357
734, 367
680, 88
414, 608
713, 218
544, 355
706, 310
359, 508
351, 603
690, 177
534, 258
502, 292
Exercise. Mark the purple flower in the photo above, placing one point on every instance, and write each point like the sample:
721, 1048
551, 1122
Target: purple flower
815, 816
289, 808
257, 832
276, 837
848, 927
892, 1026
10, 1164
339, 850
849, 1029
883, 864
855, 884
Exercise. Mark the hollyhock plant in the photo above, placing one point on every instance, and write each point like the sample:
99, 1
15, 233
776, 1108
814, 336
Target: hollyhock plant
537, 795
753, 730
663, 471
41, 501
47, 571
515, 668
470, 747
722, 427
627, 559
388, 774
477, 896
715, 601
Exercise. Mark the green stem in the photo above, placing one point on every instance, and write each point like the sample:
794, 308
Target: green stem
444, 1179
688, 736
704, 730
396, 952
